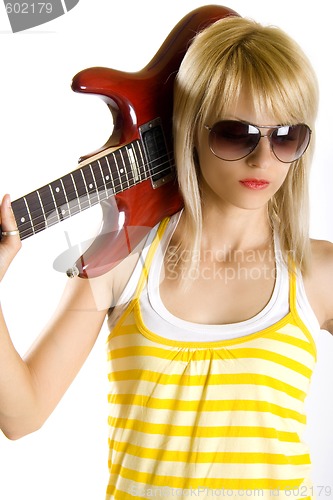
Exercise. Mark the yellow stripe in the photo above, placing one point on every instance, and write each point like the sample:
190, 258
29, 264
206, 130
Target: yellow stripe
124, 330
225, 354
203, 380
142, 350
205, 406
271, 356
150, 255
294, 312
121, 328
208, 457
289, 339
197, 431
148, 480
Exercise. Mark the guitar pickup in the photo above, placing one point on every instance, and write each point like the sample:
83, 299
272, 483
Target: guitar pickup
160, 161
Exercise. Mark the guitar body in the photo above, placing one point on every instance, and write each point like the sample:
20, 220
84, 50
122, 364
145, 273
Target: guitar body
132, 177
127, 219
135, 101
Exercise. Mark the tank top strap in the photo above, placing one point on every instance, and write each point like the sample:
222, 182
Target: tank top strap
146, 265
292, 289
149, 258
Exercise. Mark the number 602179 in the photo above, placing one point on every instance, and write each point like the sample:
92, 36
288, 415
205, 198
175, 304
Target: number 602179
29, 8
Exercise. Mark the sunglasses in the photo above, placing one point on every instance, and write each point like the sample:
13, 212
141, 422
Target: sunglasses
233, 140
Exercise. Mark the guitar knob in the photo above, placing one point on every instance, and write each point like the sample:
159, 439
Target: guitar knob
72, 272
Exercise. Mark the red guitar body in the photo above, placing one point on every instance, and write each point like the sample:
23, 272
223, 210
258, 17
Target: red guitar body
136, 99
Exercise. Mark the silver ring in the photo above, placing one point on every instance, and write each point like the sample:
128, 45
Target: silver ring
10, 233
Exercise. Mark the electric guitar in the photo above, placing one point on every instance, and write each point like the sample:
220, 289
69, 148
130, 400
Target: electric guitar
133, 175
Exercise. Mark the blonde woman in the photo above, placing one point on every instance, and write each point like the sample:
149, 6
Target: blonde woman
212, 355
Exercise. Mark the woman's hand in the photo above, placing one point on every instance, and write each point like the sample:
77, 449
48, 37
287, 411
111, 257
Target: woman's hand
10, 244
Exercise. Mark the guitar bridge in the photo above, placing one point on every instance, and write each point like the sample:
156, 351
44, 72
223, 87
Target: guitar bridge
160, 164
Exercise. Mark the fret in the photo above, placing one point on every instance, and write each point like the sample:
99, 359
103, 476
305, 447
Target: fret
123, 169
42, 207
129, 159
130, 167
106, 175
28, 215
85, 186
111, 173
119, 173
55, 215
97, 192
49, 206
60, 200
80, 189
139, 163
135, 165
90, 185
67, 209
72, 198
97, 172
23, 219
35, 211
143, 167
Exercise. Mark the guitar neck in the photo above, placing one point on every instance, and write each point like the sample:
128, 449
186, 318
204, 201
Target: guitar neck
94, 182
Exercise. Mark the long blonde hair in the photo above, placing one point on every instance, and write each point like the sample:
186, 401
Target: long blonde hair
221, 60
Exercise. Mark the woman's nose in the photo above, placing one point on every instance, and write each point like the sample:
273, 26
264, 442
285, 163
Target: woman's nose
262, 156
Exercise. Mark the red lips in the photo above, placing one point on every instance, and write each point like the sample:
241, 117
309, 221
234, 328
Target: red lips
255, 184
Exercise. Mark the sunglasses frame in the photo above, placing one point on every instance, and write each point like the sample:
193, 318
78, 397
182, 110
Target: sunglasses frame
273, 128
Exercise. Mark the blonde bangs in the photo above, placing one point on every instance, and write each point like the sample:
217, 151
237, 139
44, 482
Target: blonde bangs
277, 75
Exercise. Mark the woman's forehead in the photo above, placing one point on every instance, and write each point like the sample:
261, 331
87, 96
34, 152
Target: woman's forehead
245, 107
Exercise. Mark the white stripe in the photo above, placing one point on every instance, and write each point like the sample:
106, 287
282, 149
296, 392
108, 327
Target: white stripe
63, 5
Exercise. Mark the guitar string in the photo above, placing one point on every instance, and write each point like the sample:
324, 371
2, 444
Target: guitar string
88, 195
25, 228
51, 216
123, 178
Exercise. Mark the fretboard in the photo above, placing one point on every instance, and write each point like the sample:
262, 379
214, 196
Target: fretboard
88, 185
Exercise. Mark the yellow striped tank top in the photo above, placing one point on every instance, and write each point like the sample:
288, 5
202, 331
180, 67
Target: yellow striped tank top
208, 419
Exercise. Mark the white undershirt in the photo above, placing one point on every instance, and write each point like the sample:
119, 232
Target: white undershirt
160, 321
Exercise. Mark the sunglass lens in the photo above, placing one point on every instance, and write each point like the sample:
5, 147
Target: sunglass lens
232, 140
290, 142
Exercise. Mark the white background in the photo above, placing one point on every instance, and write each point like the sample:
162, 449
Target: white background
44, 129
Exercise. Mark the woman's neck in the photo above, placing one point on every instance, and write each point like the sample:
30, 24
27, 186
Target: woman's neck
235, 229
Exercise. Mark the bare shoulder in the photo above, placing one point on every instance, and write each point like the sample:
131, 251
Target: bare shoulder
319, 282
322, 258
101, 292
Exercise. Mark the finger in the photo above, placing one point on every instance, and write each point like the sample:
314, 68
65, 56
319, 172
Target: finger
10, 244
8, 222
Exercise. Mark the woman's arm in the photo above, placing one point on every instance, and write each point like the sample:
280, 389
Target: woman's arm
31, 387
319, 283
